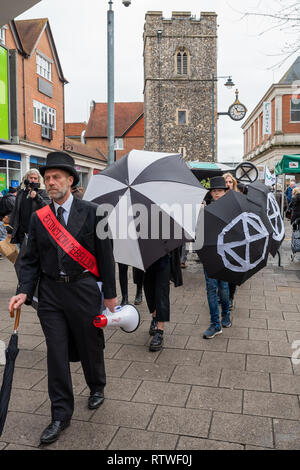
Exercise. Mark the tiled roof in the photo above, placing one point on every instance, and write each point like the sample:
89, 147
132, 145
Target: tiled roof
29, 32
126, 114
75, 129
292, 74
82, 149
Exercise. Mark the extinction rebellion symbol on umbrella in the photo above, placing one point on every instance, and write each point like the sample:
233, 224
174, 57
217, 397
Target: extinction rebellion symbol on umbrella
239, 251
275, 218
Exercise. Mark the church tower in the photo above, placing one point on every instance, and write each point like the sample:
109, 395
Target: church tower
180, 59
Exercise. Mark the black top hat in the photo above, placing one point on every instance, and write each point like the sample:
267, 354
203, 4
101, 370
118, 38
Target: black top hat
218, 182
61, 161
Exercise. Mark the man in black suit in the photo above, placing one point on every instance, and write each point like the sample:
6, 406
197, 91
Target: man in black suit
69, 294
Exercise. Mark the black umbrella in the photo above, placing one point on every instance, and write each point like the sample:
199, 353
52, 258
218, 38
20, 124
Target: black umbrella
236, 238
152, 200
11, 354
259, 194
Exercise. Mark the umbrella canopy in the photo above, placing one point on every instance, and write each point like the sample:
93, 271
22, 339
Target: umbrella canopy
151, 202
259, 194
11, 355
236, 238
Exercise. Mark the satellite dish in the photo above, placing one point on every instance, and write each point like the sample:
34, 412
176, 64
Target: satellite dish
246, 172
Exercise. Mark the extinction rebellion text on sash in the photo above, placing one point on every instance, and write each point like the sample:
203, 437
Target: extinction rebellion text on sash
153, 459
68, 246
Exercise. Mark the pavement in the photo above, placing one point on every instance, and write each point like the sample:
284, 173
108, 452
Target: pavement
240, 390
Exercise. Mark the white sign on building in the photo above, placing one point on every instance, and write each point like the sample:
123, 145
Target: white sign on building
267, 118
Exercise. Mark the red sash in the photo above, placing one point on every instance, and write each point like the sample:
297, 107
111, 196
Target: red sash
66, 241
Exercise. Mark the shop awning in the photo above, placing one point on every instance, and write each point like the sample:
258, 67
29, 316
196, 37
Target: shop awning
289, 164
13, 8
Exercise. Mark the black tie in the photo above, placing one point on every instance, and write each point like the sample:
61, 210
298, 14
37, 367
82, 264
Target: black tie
60, 251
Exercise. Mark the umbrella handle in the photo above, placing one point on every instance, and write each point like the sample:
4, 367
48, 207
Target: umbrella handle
17, 320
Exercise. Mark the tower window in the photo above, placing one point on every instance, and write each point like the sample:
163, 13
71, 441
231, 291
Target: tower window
182, 62
182, 117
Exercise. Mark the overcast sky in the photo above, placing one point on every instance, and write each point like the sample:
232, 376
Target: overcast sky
79, 30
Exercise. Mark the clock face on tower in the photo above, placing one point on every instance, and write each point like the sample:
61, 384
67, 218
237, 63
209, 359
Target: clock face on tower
237, 111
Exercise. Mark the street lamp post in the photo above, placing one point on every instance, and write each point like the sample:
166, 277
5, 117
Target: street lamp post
229, 84
111, 82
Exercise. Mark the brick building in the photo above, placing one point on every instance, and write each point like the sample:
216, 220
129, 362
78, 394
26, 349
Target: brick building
129, 128
273, 128
36, 103
180, 56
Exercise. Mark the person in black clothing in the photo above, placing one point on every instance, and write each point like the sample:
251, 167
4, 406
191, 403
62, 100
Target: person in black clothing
138, 276
7, 202
294, 206
28, 200
157, 292
70, 296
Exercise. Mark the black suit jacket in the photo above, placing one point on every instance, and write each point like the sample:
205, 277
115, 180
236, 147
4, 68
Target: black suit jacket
41, 253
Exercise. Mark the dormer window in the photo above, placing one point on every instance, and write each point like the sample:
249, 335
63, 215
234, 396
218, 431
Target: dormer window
43, 66
182, 62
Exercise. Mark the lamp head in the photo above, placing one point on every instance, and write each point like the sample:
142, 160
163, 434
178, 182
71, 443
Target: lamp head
229, 83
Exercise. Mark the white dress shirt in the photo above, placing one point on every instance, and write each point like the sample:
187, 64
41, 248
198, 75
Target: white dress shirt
67, 206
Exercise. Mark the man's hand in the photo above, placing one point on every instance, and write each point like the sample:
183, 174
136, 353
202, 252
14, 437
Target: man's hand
33, 194
111, 303
16, 301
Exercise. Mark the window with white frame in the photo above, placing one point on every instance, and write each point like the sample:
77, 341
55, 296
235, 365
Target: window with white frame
44, 115
43, 67
295, 110
119, 144
2, 35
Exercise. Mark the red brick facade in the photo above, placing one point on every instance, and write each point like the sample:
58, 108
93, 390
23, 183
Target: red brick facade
27, 79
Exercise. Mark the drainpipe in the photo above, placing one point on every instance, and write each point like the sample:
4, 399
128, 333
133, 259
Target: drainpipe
24, 101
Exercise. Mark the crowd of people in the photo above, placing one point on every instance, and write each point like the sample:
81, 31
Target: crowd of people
47, 208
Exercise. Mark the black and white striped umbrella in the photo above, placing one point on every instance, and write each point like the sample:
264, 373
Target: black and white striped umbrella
150, 201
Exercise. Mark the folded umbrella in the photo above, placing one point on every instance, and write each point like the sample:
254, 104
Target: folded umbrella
11, 355
259, 194
236, 238
152, 201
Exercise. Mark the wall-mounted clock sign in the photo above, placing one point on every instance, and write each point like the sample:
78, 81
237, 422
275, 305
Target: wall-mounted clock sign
237, 111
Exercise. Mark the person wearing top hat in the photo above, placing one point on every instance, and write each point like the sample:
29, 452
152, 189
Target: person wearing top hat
214, 287
69, 295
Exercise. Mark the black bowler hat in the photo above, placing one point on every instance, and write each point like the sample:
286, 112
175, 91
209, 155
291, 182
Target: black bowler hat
218, 182
61, 161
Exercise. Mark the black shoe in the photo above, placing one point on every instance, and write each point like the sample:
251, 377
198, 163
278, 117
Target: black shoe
157, 341
153, 327
124, 300
95, 400
139, 297
52, 432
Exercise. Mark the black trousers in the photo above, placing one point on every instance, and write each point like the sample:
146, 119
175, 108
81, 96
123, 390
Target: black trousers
138, 276
157, 288
67, 311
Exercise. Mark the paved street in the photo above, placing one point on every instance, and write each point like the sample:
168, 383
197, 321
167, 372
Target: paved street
239, 390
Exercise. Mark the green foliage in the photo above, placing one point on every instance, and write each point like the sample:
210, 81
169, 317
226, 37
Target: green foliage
205, 183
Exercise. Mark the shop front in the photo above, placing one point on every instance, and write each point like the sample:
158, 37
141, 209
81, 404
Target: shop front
10, 170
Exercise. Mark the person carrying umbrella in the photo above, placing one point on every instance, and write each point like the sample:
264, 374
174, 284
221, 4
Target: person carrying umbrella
218, 189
